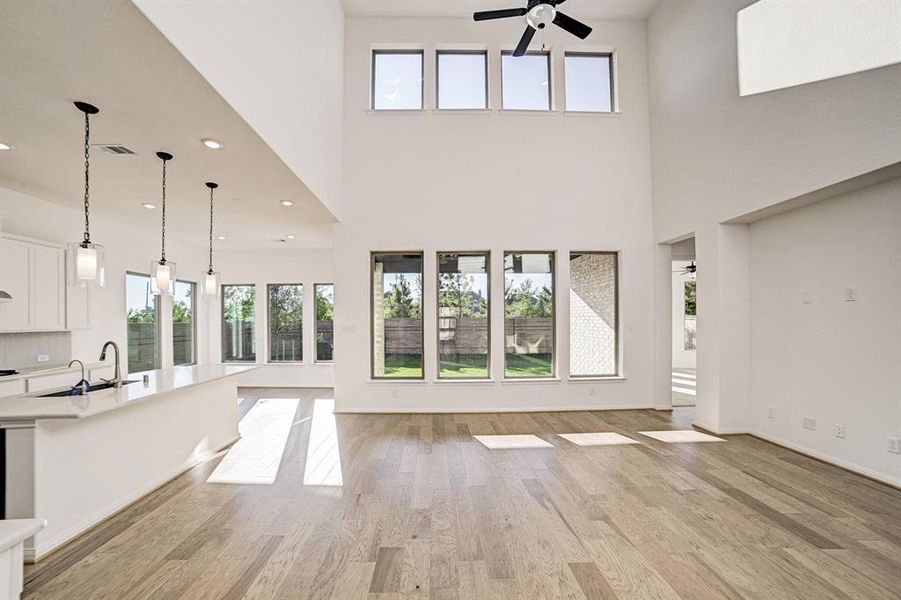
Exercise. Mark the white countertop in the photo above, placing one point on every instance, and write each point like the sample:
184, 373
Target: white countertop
30, 407
30, 372
15, 531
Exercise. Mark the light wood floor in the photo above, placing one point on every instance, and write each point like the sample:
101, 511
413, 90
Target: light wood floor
426, 511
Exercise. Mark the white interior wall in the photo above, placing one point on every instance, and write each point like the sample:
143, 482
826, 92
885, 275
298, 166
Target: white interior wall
718, 156
128, 248
280, 65
833, 360
262, 267
495, 181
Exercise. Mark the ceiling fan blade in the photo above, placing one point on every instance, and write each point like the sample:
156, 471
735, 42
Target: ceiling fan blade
577, 28
485, 15
523, 44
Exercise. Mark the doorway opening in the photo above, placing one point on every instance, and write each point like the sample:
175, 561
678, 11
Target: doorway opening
684, 323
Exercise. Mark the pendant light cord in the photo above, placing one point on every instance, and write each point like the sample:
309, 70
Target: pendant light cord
163, 257
211, 232
87, 187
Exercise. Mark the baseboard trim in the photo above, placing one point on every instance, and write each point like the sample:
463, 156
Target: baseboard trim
36, 554
828, 459
719, 430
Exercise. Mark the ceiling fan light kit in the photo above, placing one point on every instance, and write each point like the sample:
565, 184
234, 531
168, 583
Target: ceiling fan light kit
539, 14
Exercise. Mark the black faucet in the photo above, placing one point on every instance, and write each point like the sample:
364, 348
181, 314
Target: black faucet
116, 381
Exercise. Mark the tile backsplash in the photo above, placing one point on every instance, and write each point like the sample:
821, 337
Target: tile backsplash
21, 350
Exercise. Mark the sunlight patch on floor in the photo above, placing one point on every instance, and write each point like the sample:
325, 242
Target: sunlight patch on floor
323, 464
680, 436
507, 442
597, 439
256, 458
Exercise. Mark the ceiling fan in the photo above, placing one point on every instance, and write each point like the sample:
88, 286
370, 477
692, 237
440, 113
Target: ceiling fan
690, 269
539, 14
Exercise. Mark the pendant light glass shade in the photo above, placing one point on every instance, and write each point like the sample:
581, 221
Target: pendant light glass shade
162, 271
210, 288
86, 261
86, 264
162, 277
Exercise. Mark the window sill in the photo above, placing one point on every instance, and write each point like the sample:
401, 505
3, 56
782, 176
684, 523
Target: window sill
452, 380
397, 111
592, 379
526, 111
397, 381
592, 113
463, 111
518, 380
298, 363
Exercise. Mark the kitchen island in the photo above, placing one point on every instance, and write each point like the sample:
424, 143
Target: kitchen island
75, 460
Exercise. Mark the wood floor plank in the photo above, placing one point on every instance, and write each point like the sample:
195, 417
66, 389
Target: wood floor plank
425, 511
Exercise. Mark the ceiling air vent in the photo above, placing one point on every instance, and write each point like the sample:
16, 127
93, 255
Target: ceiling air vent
116, 149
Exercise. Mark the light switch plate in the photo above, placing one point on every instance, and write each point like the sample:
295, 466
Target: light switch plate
894, 445
850, 295
43, 357
810, 423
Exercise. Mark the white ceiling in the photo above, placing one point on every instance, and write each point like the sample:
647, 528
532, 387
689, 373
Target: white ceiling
581, 9
150, 99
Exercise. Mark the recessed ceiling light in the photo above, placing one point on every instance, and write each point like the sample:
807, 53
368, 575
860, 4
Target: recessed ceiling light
148, 205
221, 237
4, 146
287, 203
290, 237
211, 143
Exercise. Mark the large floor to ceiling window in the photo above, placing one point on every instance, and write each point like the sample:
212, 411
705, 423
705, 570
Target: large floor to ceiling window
143, 324
238, 329
184, 326
285, 322
593, 312
324, 297
528, 314
463, 317
397, 336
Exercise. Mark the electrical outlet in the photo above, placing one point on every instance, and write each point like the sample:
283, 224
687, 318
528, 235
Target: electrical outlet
806, 298
840, 431
395, 394
850, 295
810, 423
894, 445
591, 392
43, 357
771, 413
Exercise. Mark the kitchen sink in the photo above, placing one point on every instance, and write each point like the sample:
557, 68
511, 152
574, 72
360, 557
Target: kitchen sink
94, 388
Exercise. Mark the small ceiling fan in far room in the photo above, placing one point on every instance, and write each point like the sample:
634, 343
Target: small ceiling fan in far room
688, 269
539, 14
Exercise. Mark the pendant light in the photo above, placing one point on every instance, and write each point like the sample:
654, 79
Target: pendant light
86, 264
162, 272
211, 278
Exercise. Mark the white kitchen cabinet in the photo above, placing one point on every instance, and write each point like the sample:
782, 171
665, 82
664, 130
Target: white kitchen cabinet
14, 268
34, 275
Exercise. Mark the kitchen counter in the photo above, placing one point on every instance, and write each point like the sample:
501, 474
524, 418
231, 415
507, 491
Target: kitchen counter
76, 460
29, 372
32, 407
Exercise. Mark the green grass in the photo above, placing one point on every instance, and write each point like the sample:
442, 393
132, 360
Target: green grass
403, 365
464, 365
470, 365
528, 365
